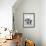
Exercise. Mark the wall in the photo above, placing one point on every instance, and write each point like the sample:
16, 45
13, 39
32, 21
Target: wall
28, 6
6, 13
43, 22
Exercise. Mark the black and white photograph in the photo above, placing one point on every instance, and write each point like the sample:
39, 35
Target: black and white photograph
29, 20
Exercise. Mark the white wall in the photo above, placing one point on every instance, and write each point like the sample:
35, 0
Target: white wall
43, 22
6, 13
28, 6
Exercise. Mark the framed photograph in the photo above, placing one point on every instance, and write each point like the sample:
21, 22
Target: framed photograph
29, 20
